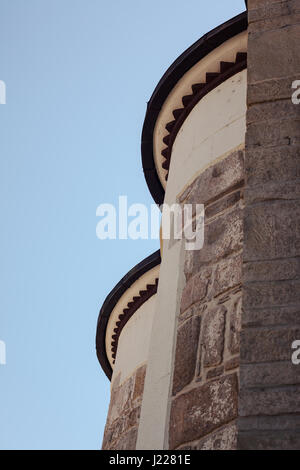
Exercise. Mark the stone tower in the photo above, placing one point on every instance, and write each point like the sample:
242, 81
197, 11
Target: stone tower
198, 344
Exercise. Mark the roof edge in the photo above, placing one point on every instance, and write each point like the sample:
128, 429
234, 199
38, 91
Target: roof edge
174, 73
111, 300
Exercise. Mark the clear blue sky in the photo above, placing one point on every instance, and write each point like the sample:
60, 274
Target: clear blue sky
78, 76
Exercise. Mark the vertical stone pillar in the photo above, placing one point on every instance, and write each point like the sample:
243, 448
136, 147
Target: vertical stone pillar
269, 401
204, 395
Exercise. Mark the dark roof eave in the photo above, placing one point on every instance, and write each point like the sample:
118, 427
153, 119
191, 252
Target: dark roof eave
111, 300
175, 72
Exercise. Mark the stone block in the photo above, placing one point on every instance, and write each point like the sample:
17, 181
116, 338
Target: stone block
216, 372
266, 61
273, 15
216, 180
280, 191
139, 382
272, 270
223, 204
222, 237
271, 294
202, 410
212, 338
186, 353
232, 363
187, 296
272, 230
127, 441
228, 275
265, 7
273, 111
271, 316
271, 90
223, 439
281, 423
272, 134
265, 165
270, 440
269, 401
235, 326
270, 374
268, 344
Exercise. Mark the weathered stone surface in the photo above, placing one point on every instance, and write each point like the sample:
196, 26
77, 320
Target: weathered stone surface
279, 164
228, 274
212, 281
202, 281
127, 441
223, 439
124, 412
271, 294
272, 374
235, 326
216, 180
273, 61
111, 433
271, 316
232, 363
118, 428
286, 190
270, 90
272, 270
223, 204
186, 353
269, 393
216, 372
272, 230
274, 23
187, 295
139, 382
273, 111
273, 15
268, 344
270, 423
203, 409
196, 288
222, 237
188, 264
273, 134
213, 336
196, 309
132, 419
269, 401
269, 440
121, 400
261, 9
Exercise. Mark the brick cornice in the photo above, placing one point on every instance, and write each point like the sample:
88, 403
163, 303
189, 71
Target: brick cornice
199, 90
178, 69
127, 313
111, 301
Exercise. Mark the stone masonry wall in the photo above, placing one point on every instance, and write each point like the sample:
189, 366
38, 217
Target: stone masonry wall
124, 412
204, 405
269, 382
